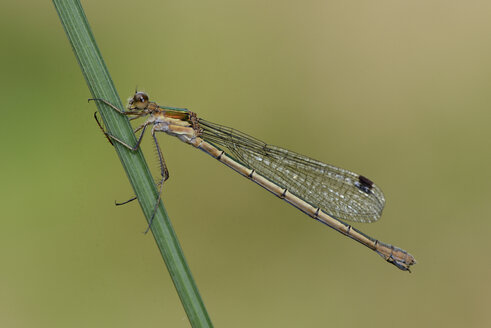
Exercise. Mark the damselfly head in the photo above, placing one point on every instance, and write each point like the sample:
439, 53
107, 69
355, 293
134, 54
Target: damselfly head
138, 101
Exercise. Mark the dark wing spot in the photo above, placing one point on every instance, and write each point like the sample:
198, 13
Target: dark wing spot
364, 184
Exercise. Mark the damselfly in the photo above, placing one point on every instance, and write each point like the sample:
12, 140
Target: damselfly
324, 192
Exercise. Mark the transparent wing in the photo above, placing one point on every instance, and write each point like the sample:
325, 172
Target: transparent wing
339, 192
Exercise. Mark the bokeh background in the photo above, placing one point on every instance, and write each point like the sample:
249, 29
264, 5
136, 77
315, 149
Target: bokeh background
396, 90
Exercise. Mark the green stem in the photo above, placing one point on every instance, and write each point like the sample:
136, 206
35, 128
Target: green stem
100, 85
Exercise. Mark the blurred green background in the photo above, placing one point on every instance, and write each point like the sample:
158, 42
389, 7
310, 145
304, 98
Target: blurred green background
399, 91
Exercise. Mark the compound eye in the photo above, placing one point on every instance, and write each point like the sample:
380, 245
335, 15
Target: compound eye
139, 100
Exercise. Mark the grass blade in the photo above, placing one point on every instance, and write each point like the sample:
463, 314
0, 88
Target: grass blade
100, 85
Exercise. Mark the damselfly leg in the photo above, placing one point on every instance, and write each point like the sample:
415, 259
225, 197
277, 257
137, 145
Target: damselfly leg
164, 173
109, 139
